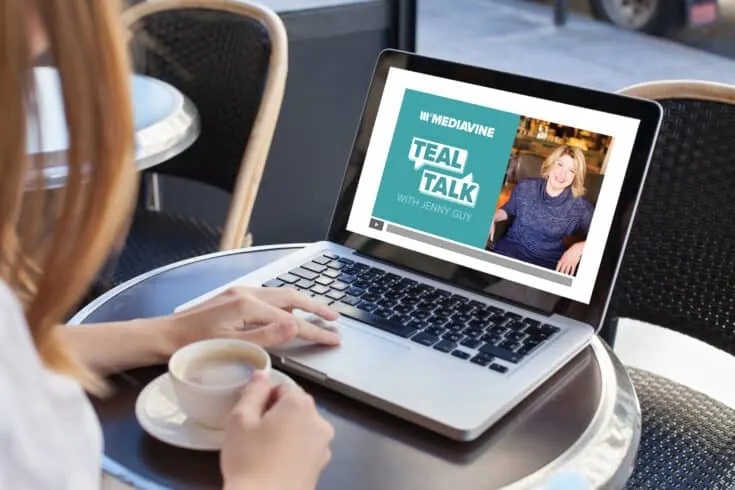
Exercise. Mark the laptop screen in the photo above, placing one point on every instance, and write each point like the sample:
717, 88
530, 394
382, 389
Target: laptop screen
510, 185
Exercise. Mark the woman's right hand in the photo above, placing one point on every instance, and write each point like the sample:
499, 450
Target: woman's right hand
492, 231
275, 439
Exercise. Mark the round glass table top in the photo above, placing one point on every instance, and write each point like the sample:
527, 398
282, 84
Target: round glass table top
166, 123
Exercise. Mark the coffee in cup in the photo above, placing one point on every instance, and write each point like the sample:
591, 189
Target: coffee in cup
208, 377
219, 369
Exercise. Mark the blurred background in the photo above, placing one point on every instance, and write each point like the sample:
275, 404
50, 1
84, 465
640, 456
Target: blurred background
602, 44
716, 37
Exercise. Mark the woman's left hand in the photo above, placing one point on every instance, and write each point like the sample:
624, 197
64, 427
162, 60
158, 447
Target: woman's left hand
260, 315
570, 260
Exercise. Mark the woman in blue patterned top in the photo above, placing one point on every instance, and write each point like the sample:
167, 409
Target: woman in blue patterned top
545, 210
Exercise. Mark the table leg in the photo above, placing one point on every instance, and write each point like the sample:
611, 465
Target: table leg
560, 12
149, 196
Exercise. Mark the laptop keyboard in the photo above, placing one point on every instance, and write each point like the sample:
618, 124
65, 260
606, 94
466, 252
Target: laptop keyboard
449, 323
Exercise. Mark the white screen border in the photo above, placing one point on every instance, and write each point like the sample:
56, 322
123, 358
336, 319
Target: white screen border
623, 130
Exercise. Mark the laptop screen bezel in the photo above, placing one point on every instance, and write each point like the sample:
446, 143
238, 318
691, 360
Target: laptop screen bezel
649, 113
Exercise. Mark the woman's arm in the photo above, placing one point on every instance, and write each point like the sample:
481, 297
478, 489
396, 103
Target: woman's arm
259, 315
500, 215
111, 347
570, 259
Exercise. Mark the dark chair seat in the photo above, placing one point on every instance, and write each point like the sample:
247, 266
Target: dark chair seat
157, 239
688, 439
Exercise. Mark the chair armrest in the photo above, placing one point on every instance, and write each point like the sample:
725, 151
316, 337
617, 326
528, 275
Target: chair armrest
501, 227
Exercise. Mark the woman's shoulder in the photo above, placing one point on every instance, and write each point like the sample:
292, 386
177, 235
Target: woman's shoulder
12, 319
7, 296
582, 205
53, 439
17, 351
530, 183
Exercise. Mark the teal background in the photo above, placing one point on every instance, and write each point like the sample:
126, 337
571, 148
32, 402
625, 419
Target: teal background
487, 161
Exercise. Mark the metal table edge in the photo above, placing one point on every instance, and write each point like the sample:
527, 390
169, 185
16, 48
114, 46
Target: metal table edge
88, 309
612, 435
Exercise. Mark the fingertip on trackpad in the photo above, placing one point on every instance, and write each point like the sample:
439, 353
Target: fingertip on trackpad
353, 332
317, 321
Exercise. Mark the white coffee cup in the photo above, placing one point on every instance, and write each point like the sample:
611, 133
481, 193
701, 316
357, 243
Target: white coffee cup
209, 376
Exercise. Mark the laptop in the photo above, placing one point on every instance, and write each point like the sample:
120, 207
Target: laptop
441, 324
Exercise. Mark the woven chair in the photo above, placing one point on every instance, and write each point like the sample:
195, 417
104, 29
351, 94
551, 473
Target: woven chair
678, 272
230, 59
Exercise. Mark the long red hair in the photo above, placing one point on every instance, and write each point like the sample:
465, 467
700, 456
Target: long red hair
54, 243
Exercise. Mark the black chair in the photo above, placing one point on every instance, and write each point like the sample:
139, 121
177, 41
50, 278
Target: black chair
230, 59
678, 272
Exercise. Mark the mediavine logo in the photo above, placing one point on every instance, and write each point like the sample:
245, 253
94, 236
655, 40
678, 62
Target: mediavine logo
456, 189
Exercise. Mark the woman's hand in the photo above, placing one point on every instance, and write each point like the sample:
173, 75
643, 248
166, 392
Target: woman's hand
570, 260
259, 315
275, 439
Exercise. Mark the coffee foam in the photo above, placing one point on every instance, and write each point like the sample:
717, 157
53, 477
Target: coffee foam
221, 368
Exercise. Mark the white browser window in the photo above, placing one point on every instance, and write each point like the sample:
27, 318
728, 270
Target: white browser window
437, 171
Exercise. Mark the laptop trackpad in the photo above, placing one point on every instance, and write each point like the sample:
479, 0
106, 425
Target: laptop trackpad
361, 351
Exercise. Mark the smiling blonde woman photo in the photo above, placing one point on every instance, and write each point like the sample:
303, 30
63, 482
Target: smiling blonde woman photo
546, 210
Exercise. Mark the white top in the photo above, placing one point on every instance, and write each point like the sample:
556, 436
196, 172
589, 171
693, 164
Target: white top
50, 438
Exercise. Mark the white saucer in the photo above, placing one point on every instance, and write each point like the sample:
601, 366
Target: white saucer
158, 412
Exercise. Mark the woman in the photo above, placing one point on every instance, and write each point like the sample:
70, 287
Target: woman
49, 437
545, 211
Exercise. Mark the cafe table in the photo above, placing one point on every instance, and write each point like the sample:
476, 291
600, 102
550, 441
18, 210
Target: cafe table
579, 430
166, 123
